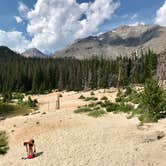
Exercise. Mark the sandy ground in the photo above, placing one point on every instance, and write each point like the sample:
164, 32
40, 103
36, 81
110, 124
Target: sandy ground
64, 138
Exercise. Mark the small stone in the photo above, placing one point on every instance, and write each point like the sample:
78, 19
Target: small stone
2, 118
37, 122
157, 135
26, 114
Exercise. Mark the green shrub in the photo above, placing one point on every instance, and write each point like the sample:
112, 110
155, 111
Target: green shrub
120, 99
92, 104
90, 99
148, 118
112, 107
126, 108
83, 109
81, 97
18, 96
152, 98
92, 93
104, 98
105, 103
97, 113
128, 91
3, 143
30, 103
7, 97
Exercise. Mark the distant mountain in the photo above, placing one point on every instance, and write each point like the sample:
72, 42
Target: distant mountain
6, 52
33, 52
124, 41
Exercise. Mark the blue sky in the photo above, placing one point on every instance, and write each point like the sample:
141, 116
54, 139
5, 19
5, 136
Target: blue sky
129, 12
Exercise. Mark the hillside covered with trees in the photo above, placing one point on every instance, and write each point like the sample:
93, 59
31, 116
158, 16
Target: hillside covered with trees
36, 75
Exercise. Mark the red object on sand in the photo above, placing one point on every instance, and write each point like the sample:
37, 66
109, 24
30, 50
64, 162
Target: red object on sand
30, 157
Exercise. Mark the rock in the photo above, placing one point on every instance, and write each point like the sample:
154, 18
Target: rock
43, 113
2, 118
26, 114
37, 122
157, 135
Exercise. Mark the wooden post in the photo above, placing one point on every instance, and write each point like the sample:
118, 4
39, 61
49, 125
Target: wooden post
58, 102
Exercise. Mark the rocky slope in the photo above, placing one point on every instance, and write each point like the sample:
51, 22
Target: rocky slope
33, 52
124, 41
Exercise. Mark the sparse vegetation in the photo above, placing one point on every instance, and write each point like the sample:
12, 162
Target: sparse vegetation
83, 109
81, 97
30, 104
97, 113
10, 110
104, 98
92, 93
151, 103
3, 143
90, 99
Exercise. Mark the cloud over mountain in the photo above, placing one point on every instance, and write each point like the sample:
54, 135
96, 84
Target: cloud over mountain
56, 23
161, 15
53, 24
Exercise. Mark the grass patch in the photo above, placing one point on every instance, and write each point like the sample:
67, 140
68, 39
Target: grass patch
3, 143
83, 109
97, 113
10, 110
91, 99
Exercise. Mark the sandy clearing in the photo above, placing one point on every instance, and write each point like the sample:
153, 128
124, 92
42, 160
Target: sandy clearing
68, 139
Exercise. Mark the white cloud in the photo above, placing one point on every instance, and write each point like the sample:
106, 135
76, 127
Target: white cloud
136, 23
23, 9
15, 40
161, 15
53, 24
134, 16
56, 23
18, 19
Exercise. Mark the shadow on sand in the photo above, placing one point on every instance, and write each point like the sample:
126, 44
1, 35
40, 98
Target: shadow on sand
38, 154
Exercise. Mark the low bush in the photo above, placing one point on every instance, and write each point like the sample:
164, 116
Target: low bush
148, 118
104, 98
91, 99
92, 93
30, 103
112, 107
97, 113
3, 143
128, 91
81, 97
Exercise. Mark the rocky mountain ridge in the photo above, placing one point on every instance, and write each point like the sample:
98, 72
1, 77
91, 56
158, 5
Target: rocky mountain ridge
122, 41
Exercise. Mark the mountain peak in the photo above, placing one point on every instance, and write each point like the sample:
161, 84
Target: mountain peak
33, 52
122, 41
